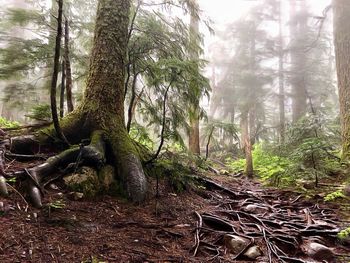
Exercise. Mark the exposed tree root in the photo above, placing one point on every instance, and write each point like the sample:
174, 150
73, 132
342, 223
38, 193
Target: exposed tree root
281, 229
92, 155
101, 110
123, 153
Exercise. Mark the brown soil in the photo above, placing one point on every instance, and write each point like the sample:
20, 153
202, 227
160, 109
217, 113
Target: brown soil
112, 230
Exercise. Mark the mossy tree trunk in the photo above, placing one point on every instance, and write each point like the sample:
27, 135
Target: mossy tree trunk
102, 108
342, 51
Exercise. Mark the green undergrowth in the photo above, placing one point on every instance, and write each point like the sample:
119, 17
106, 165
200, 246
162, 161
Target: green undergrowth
4, 123
41, 112
305, 163
334, 196
344, 234
139, 134
177, 169
271, 168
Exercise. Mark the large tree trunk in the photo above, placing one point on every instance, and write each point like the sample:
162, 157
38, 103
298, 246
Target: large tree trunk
102, 108
342, 51
194, 144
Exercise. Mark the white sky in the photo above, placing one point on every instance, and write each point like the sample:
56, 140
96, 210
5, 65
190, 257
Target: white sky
222, 11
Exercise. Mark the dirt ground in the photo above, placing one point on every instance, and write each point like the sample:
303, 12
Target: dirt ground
112, 230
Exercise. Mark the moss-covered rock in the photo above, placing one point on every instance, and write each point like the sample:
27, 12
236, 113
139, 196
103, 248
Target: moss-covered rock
85, 181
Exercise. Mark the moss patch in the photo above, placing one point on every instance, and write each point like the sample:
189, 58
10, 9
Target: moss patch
86, 182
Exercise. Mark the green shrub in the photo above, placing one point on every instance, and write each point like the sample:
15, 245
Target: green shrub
140, 134
334, 195
271, 168
40, 112
344, 234
310, 152
8, 124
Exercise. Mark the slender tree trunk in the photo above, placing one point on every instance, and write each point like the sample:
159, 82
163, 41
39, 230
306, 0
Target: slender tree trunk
136, 102
208, 143
252, 125
69, 83
55, 74
252, 104
232, 119
247, 144
132, 101
342, 51
162, 133
63, 87
194, 144
281, 97
44, 96
297, 31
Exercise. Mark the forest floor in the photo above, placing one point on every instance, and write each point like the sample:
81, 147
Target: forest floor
172, 227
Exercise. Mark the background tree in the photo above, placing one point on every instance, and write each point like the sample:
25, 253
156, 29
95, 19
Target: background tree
194, 111
298, 35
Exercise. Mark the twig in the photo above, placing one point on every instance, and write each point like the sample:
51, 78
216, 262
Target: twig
197, 238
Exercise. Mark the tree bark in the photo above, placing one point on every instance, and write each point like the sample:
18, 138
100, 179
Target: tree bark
342, 51
102, 107
194, 143
100, 116
63, 87
69, 81
55, 75
208, 143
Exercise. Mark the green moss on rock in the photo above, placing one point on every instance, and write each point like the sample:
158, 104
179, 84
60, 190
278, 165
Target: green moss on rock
86, 182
